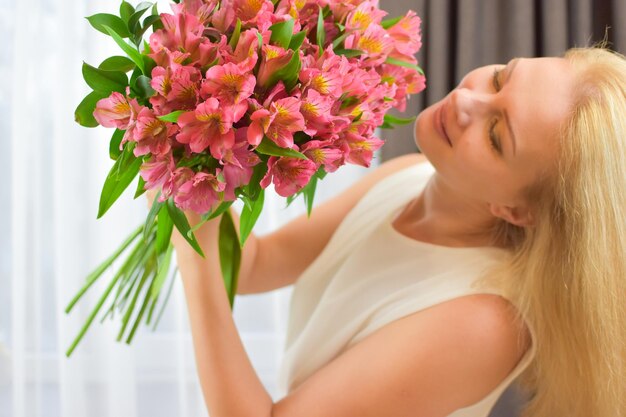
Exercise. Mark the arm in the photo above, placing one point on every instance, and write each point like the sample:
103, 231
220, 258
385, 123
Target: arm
304, 238
427, 365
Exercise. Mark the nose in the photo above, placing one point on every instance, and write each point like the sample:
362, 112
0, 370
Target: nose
468, 104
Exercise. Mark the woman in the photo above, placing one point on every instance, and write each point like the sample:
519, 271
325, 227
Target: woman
513, 259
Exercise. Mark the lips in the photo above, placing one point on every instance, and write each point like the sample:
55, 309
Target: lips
440, 126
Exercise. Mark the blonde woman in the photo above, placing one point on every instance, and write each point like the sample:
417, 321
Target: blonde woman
426, 288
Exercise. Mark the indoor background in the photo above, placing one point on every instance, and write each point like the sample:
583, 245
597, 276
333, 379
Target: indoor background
52, 170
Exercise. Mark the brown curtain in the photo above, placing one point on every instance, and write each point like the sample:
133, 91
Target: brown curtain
460, 35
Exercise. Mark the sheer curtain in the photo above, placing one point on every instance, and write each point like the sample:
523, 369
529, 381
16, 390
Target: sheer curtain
51, 174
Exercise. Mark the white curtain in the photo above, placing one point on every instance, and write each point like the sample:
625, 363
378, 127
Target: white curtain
51, 174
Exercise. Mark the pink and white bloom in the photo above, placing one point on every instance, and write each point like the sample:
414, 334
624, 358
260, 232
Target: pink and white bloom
152, 135
231, 85
200, 193
359, 149
238, 163
406, 34
273, 59
116, 111
279, 123
157, 170
209, 125
178, 177
375, 41
364, 15
323, 153
289, 175
177, 87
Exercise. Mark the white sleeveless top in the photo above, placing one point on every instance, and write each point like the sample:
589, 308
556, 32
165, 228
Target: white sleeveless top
369, 275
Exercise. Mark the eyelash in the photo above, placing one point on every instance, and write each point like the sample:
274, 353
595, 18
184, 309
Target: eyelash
492, 136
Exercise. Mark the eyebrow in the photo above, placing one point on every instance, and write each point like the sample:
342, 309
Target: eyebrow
512, 64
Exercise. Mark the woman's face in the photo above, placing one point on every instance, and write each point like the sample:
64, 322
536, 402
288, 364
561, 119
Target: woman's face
519, 110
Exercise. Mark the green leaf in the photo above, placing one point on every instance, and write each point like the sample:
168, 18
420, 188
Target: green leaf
158, 24
134, 19
147, 22
288, 74
141, 183
130, 51
349, 53
104, 81
143, 87
172, 117
309, 194
98, 21
117, 63
163, 269
167, 297
234, 38
152, 215
267, 147
126, 11
115, 184
339, 39
230, 255
387, 23
282, 33
321, 33
164, 230
114, 144
83, 114
386, 125
296, 40
131, 307
398, 120
249, 217
394, 61
182, 224
98, 271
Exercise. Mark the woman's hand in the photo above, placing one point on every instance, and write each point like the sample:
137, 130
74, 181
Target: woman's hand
206, 235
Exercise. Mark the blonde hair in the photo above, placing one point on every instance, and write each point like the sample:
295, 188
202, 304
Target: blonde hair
567, 275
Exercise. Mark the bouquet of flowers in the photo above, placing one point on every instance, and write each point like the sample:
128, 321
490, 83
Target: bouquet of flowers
227, 97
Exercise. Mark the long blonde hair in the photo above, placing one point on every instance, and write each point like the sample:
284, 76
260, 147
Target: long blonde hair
567, 275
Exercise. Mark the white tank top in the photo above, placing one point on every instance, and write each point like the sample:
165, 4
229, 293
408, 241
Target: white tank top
369, 275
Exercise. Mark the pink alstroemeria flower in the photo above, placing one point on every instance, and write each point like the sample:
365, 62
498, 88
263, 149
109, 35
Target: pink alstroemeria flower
116, 111
178, 177
199, 8
278, 123
252, 12
183, 32
289, 175
358, 149
231, 86
407, 34
245, 54
157, 170
238, 163
152, 135
316, 110
201, 193
177, 87
209, 125
364, 15
322, 153
273, 58
326, 74
224, 17
375, 41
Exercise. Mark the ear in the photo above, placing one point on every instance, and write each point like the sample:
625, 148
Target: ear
518, 215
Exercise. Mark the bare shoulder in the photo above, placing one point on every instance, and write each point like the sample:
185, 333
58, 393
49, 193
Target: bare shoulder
418, 365
284, 254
